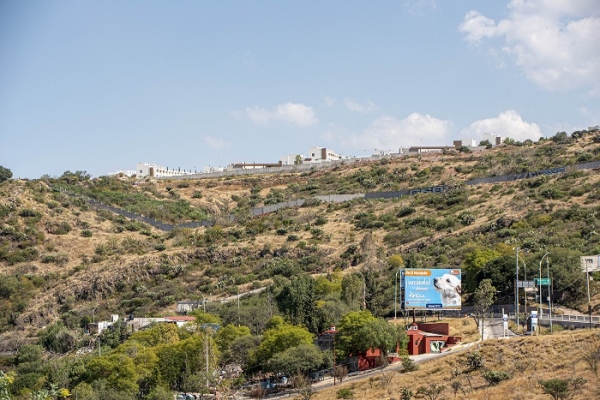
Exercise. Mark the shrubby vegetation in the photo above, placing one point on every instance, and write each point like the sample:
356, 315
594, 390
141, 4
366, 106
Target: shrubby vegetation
355, 247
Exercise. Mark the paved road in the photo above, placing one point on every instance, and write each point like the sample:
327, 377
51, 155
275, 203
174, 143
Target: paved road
328, 382
495, 330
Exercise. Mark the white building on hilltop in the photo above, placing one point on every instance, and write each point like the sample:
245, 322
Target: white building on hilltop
316, 154
494, 139
157, 171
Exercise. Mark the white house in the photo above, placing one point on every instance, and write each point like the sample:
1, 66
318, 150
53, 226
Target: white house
317, 154
146, 169
494, 139
290, 159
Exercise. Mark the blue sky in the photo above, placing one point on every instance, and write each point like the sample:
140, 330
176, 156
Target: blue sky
101, 85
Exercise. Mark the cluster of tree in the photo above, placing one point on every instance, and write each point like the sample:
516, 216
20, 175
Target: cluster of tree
164, 358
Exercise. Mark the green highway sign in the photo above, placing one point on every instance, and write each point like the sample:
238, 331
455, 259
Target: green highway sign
542, 282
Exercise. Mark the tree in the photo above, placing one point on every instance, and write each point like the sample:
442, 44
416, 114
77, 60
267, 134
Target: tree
501, 271
431, 392
57, 338
592, 358
117, 370
395, 261
297, 301
347, 339
157, 334
280, 338
472, 265
181, 360
298, 160
243, 350
484, 298
359, 331
557, 388
203, 318
340, 372
352, 290
5, 174
299, 360
228, 334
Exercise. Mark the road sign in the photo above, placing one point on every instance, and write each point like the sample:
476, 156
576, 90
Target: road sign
542, 282
525, 284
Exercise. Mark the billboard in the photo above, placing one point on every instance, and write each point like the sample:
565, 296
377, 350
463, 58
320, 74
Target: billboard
590, 263
432, 289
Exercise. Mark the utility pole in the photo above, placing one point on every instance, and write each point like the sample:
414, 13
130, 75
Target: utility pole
206, 356
333, 334
550, 285
517, 293
540, 284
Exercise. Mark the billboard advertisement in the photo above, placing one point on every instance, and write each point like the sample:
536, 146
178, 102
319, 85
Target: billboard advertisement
432, 289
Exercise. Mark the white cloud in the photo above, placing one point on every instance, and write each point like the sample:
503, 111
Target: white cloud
419, 6
507, 124
215, 143
295, 113
329, 101
258, 115
361, 108
389, 133
553, 41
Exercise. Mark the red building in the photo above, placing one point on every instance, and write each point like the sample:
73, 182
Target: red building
430, 338
423, 338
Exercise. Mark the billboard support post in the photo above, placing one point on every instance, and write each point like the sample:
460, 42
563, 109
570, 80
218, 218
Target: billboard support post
396, 290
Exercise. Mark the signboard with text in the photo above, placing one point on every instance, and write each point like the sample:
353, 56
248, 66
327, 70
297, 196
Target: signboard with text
590, 263
432, 289
542, 282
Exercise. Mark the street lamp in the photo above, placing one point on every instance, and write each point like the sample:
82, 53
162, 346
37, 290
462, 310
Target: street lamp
517, 292
238, 304
396, 290
523, 261
203, 301
549, 296
540, 283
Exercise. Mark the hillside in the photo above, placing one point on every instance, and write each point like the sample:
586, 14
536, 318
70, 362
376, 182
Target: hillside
64, 263
527, 361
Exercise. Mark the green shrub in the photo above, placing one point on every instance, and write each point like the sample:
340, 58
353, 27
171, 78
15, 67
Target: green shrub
466, 218
408, 365
58, 228
160, 247
321, 220
344, 393
493, 377
27, 212
86, 233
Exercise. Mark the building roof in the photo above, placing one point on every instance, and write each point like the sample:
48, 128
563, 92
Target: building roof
181, 318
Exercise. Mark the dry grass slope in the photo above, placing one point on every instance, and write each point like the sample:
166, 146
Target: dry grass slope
528, 360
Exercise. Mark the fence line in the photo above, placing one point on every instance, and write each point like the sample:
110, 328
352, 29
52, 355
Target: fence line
335, 198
